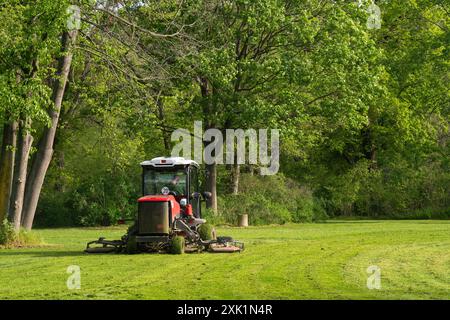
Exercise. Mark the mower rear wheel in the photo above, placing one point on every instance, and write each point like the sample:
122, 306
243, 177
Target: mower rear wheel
177, 245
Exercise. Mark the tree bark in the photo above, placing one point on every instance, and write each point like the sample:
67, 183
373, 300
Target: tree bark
211, 186
44, 154
60, 184
235, 174
211, 169
7, 166
25, 140
243, 220
162, 119
371, 145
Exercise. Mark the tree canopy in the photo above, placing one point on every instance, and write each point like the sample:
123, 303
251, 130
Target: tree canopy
362, 109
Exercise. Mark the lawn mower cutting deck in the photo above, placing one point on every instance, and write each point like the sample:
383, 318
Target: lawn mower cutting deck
169, 214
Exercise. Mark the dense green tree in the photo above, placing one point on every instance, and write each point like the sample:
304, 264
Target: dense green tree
29, 40
363, 111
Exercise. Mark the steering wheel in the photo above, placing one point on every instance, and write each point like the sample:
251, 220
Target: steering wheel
173, 193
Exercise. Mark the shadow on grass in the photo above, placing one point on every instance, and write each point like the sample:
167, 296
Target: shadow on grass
349, 221
416, 221
49, 253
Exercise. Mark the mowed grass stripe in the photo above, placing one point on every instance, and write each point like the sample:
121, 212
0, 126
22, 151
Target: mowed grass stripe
308, 261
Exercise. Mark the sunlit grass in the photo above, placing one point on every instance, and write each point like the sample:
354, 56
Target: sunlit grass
309, 261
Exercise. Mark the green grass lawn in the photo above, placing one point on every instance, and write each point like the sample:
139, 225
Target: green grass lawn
309, 261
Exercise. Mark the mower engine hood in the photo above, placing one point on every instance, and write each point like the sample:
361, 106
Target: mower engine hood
157, 198
174, 205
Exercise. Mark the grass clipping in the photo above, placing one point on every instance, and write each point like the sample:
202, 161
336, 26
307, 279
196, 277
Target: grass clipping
10, 238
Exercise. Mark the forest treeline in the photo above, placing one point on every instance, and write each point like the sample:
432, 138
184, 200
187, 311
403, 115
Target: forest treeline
363, 112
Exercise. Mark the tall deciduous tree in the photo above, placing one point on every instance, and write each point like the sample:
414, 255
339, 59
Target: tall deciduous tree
27, 37
263, 64
7, 166
44, 154
25, 140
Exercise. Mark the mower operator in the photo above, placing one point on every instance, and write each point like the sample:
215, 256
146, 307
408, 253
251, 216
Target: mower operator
176, 185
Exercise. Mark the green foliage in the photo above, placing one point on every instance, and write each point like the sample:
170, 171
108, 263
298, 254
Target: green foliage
98, 178
363, 114
395, 191
55, 211
270, 200
7, 233
101, 200
104, 201
30, 41
9, 237
309, 209
212, 218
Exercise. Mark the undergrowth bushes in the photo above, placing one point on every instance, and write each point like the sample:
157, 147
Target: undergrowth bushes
269, 200
395, 192
12, 238
98, 201
392, 192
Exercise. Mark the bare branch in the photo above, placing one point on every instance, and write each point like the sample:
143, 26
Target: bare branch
154, 34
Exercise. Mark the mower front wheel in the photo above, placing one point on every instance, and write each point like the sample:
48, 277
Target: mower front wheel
131, 246
177, 245
207, 232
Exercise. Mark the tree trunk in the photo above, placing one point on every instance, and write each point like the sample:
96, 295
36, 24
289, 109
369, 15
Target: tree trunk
243, 220
162, 119
211, 183
371, 144
60, 184
211, 169
235, 174
45, 149
25, 139
7, 166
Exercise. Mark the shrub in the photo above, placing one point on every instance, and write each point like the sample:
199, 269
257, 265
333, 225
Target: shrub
319, 212
7, 233
395, 190
10, 237
54, 211
104, 201
270, 200
213, 219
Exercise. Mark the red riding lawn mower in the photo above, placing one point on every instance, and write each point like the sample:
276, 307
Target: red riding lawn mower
169, 214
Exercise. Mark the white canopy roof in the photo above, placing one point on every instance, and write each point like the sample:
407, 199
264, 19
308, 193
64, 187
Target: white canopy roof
168, 162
